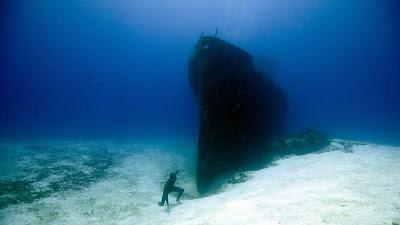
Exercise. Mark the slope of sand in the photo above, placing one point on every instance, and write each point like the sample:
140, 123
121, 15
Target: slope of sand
334, 187
358, 185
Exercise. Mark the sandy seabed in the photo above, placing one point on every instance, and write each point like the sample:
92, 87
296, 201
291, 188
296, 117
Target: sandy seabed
120, 182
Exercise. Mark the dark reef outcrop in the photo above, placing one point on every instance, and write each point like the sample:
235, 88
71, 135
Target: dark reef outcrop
240, 109
304, 142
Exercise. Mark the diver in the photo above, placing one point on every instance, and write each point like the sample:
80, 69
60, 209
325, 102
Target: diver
169, 187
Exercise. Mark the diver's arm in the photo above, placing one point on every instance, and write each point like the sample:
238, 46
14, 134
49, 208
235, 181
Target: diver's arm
177, 172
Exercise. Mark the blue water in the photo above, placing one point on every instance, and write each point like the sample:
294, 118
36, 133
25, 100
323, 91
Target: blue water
106, 69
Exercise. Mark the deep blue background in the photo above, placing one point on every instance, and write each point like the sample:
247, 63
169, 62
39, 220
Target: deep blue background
97, 68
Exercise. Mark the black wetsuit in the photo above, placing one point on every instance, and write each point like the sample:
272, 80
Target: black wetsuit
169, 187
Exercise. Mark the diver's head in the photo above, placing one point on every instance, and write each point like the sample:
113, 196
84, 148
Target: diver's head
171, 175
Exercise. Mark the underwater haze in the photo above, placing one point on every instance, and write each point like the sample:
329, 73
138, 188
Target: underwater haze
119, 68
96, 111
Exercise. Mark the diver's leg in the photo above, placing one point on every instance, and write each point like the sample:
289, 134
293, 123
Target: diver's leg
180, 192
163, 199
166, 199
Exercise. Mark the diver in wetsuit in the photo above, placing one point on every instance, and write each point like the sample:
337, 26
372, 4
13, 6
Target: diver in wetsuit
169, 187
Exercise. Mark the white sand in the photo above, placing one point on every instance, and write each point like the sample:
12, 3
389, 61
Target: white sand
333, 187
